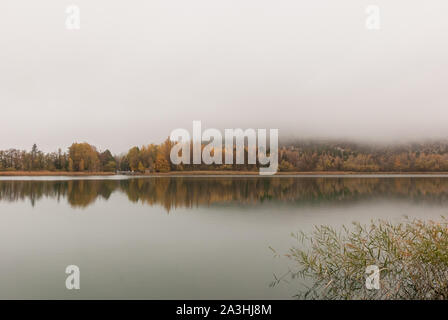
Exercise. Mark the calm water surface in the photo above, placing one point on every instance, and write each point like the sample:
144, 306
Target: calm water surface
179, 237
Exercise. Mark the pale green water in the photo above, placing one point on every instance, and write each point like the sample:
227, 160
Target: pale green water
182, 238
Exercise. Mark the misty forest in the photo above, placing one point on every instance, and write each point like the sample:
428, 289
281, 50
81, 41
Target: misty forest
298, 156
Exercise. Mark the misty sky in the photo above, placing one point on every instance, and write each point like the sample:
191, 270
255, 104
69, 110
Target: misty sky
138, 69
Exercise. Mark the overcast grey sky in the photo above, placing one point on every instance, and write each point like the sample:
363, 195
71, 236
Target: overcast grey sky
138, 69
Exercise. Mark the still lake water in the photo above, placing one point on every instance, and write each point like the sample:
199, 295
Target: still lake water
183, 237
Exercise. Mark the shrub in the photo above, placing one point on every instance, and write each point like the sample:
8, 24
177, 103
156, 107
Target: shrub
412, 257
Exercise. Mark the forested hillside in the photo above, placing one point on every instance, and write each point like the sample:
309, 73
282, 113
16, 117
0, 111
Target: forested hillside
295, 156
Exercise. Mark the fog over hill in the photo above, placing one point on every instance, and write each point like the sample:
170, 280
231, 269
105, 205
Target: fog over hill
136, 70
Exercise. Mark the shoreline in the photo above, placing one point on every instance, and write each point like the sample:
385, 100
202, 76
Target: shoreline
204, 173
52, 174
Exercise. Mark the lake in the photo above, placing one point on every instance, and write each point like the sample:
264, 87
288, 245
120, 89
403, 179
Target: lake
183, 237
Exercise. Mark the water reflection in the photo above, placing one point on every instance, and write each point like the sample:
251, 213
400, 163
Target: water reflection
173, 192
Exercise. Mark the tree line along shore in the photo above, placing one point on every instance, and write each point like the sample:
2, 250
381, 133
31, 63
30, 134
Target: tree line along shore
302, 157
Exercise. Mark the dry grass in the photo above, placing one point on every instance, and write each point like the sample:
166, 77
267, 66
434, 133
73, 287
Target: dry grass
256, 173
52, 173
195, 173
412, 258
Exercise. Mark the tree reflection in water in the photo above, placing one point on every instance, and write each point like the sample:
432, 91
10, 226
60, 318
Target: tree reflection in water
174, 192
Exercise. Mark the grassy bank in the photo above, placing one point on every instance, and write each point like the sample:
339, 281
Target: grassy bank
297, 173
51, 173
205, 173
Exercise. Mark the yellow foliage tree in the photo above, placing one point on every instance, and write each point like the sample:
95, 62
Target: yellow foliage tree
162, 165
141, 167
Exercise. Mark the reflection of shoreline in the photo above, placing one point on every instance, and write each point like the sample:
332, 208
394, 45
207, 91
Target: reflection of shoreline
217, 173
188, 192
